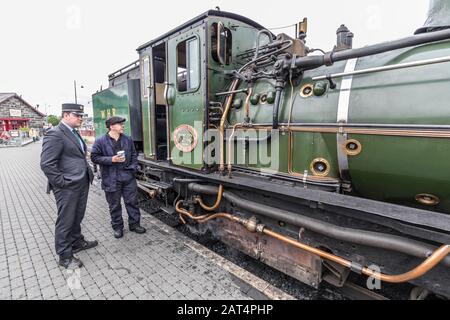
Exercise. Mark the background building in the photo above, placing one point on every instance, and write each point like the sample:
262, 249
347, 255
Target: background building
16, 113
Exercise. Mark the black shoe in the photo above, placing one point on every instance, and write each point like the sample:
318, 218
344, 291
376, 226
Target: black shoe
138, 229
118, 233
84, 245
70, 263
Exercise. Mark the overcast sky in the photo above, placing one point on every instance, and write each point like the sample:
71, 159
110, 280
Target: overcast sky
46, 45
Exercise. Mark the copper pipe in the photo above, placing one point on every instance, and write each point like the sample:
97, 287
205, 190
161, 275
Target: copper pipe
247, 102
222, 125
187, 213
401, 133
318, 252
220, 215
216, 204
378, 132
229, 147
182, 219
204, 218
207, 217
415, 273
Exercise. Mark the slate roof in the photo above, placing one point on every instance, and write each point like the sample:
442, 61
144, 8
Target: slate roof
6, 96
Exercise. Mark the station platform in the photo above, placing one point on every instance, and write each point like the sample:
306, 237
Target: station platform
161, 264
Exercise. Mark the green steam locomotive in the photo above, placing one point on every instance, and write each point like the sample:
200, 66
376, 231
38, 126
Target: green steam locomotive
320, 164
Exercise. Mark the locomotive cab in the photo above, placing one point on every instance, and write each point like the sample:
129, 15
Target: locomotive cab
181, 71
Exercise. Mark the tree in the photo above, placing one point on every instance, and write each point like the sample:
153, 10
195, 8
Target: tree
54, 120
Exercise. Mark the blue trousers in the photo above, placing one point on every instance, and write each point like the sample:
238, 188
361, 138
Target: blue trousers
127, 190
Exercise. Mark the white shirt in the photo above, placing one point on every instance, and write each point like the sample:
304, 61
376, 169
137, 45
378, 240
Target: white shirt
71, 130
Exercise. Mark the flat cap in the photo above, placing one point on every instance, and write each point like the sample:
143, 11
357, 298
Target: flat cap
73, 107
114, 120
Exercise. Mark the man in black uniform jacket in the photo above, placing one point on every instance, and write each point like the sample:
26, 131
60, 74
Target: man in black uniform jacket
63, 161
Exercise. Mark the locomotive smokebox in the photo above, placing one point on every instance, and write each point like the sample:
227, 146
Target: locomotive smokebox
438, 16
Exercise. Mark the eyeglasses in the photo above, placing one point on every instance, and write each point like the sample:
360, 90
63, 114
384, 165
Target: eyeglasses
76, 115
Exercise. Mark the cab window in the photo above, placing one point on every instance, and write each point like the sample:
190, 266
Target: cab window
146, 76
188, 65
221, 43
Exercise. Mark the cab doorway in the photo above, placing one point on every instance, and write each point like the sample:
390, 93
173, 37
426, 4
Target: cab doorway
161, 109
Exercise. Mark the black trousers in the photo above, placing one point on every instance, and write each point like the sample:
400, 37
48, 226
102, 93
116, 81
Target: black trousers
127, 190
71, 203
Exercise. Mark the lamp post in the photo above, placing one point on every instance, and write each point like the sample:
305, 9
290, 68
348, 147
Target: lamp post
46, 115
90, 123
75, 89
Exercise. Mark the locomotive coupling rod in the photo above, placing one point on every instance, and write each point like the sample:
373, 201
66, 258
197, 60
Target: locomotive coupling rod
415, 273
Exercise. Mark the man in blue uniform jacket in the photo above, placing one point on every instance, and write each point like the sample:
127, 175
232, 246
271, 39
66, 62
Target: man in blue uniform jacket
117, 157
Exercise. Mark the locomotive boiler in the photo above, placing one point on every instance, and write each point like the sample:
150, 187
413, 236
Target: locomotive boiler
319, 164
